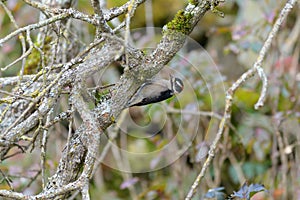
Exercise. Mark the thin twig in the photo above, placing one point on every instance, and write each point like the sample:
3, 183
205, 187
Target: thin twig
13, 80
101, 87
121, 25
34, 26
21, 36
16, 95
7, 180
70, 130
23, 56
238, 168
43, 149
131, 9
114, 12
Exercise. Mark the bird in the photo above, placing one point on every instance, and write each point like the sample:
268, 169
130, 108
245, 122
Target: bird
156, 90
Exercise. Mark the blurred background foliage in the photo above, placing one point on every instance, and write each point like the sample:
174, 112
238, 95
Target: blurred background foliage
260, 146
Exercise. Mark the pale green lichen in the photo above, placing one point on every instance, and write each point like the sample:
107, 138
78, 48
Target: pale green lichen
34, 59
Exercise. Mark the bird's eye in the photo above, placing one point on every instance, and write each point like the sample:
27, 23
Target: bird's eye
178, 85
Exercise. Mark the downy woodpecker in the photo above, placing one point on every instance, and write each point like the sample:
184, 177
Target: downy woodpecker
154, 91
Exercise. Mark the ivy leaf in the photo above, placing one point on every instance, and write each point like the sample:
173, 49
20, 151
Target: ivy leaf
246, 192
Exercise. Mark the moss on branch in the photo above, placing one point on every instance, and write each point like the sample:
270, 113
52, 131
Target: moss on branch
193, 2
181, 22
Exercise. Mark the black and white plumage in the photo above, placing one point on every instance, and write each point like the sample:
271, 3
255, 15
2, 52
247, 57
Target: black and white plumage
156, 90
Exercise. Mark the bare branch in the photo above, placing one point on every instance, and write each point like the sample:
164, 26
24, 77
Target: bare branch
34, 26
43, 149
114, 12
